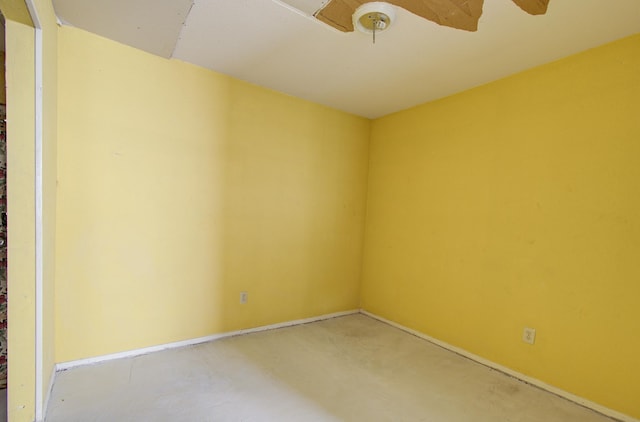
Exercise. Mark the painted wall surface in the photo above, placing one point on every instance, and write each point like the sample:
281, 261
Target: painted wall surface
517, 204
17, 11
21, 217
179, 188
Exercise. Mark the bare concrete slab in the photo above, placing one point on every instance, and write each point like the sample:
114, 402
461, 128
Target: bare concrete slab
351, 368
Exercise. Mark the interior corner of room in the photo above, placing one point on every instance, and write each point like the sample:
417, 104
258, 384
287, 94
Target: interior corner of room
175, 203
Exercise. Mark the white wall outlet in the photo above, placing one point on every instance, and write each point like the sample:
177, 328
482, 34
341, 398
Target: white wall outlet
244, 297
529, 335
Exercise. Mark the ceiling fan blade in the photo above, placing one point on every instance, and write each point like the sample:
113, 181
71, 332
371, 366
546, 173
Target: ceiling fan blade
459, 14
533, 7
338, 13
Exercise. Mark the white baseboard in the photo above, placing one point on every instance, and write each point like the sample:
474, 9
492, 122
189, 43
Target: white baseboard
47, 395
63, 366
522, 377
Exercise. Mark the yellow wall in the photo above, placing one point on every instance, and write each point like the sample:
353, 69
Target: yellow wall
17, 11
21, 216
518, 204
179, 188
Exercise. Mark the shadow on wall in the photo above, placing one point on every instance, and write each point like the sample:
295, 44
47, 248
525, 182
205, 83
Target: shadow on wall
179, 188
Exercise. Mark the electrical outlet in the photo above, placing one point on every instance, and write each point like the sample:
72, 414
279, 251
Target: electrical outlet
529, 335
244, 297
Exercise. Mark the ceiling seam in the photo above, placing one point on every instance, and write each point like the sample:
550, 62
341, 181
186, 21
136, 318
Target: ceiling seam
184, 22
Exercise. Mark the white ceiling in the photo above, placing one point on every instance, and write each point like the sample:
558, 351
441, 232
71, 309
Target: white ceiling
274, 45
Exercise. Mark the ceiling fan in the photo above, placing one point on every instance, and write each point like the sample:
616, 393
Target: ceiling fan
459, 14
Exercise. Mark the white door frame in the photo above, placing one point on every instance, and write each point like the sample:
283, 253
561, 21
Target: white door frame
39, 222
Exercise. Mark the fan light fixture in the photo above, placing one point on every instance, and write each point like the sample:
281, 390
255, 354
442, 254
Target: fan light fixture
374, 17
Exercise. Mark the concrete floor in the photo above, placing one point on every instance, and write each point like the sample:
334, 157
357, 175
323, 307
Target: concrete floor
352, 368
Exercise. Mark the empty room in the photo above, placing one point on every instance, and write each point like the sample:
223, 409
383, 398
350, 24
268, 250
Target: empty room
322, 210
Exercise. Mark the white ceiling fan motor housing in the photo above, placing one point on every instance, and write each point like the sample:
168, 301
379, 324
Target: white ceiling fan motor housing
376, 14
